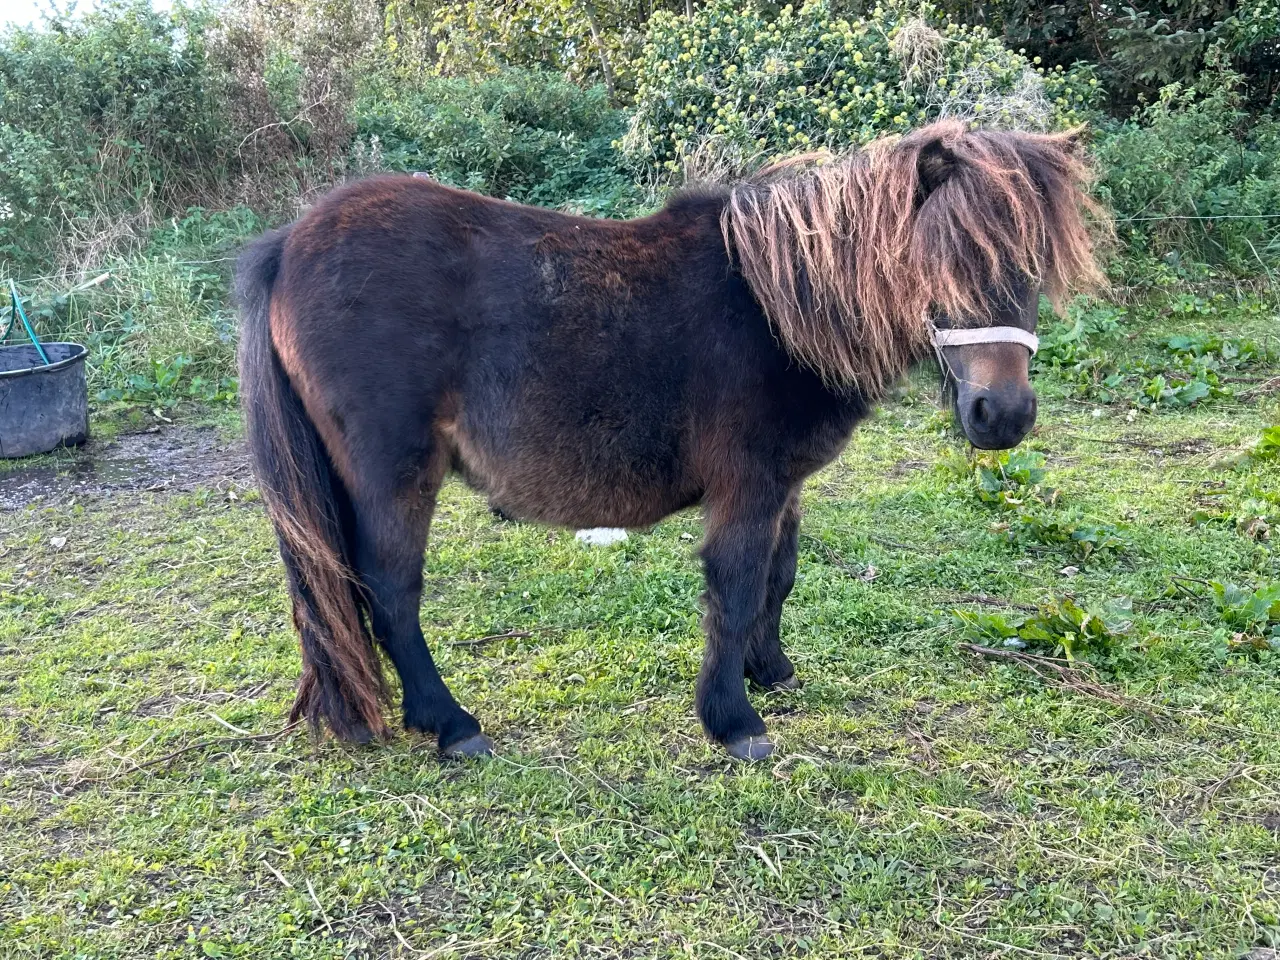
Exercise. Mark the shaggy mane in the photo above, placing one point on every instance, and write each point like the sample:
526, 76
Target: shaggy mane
851, 259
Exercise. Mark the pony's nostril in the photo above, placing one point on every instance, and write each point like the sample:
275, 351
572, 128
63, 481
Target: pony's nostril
980, 412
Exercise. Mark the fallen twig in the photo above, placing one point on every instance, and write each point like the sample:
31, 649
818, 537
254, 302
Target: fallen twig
579, 872
1178, 580
512, 635
866, 574
1137, 444
228, 724
1069, 677
990, 601
1267, 386
189, 748
278, 875
891, 544
319, 906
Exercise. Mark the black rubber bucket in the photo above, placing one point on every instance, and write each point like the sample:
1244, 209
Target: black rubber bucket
42, 406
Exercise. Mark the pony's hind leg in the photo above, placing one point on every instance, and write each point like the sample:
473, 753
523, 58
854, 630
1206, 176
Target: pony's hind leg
767, 666
392, 514
741, 533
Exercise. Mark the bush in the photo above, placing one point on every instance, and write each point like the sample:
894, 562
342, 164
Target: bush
1191, 154
115, 119
1059, 628
112, 111
739, 82
530, 137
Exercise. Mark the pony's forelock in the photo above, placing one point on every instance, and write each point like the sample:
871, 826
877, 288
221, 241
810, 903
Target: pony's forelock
851, 258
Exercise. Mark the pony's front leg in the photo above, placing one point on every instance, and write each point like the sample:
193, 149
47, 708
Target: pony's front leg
741, 534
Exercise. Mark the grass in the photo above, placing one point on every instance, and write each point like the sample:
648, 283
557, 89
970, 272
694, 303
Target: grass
159, 324
924, 802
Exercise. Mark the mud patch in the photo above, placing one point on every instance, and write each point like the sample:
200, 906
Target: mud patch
168, 460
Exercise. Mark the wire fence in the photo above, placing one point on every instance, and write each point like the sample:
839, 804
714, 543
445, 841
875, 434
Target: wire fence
122, 268
1211, 216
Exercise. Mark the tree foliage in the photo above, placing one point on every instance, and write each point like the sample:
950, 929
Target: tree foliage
118, 119
1140, 47
588, 41
734, 79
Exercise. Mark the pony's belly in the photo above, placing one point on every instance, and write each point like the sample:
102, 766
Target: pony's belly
579, 503
558, 486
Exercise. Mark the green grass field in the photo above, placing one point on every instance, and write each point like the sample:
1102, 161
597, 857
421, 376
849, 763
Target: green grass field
925, 800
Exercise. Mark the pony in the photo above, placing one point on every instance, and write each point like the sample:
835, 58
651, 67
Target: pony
604, 373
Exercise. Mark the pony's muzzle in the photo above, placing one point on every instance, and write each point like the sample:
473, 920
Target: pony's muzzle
996, 419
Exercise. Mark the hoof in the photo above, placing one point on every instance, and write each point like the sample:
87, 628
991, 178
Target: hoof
476, 745
750, 748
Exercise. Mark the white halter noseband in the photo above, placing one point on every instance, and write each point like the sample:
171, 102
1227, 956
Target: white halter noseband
971, 335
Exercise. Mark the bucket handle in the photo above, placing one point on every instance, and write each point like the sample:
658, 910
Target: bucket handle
26, 324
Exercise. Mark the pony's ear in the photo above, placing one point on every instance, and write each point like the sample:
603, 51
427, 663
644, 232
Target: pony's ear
935, 163
1075, 142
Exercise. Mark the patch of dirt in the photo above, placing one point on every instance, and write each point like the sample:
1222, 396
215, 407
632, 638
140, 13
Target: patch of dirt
1190, 447
166, 705
173, 459
904, 467
1193, 447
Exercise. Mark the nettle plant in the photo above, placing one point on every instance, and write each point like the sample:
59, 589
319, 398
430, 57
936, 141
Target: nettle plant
1060, 627
1011, 480
742, 84
1181, 371
1251, 617
1014, 483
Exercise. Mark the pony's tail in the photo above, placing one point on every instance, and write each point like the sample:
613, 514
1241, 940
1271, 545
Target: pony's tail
342, 681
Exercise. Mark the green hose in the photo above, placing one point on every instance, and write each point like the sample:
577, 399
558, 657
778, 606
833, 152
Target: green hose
26, 324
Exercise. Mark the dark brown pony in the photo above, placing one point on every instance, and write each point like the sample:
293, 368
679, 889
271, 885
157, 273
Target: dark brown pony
603, 373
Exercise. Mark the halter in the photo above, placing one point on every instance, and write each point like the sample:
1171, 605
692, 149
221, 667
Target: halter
971, 335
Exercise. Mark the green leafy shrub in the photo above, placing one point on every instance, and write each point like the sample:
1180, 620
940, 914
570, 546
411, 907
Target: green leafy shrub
118, 118
1268, 445
1252, 517
1068, 340
1082, 541
1140, 47
587, 42
1015, 483
1190, 155
204, 233
1074, 348
1193, 367
1253, 616
1223, 351
101, 114
1178, 371
748, 84
1009, 480
1161, 392
1059, 628
532, 137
